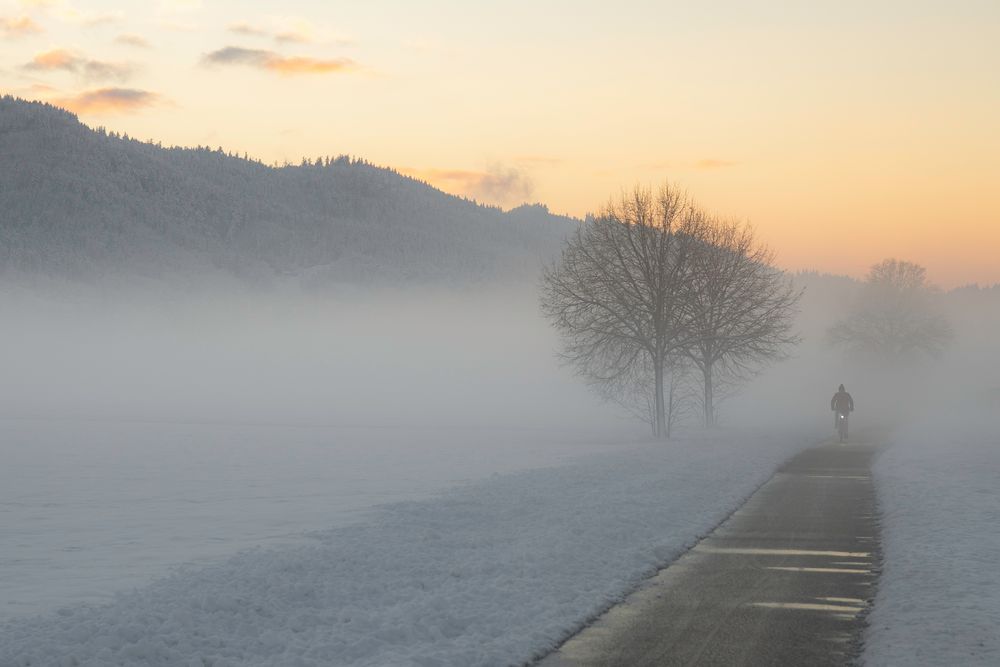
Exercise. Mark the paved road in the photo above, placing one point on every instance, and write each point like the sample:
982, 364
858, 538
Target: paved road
784, 581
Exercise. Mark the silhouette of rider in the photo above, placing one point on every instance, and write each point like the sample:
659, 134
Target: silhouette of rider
842, 403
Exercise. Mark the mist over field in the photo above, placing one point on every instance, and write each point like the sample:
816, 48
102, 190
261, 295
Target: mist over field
418, 356
888, 393
413, 357
146, 429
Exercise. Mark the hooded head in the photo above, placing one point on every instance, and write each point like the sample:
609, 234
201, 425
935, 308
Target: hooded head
841, 388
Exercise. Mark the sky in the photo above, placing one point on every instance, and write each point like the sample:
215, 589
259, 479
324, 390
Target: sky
844, 132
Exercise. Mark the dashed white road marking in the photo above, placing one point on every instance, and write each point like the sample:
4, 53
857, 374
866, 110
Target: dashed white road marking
864, 477
755, 551
810, 606
845, 600
832, 570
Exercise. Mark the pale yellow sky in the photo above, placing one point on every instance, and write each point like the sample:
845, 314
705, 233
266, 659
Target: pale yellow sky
846, 131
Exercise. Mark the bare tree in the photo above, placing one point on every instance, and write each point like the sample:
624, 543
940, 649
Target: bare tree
740, 308
617, 295
893, 319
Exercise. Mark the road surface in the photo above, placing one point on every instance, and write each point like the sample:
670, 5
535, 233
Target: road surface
784, 581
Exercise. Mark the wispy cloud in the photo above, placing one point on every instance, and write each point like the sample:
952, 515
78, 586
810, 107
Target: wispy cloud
504, 185
65, 11
55, 59
499, 184
109, 100
288, 30
293, 37
275, 62
310, 65
18, 26
33, 91
61, 59
248, 30
138, 41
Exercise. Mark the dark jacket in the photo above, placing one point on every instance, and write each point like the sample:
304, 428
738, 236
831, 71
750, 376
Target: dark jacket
842, 402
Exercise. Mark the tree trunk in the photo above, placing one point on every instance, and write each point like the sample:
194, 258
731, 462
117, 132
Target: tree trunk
670, 407
709, 397
661, 424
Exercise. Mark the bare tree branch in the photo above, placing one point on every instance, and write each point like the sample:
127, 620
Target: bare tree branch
741, 308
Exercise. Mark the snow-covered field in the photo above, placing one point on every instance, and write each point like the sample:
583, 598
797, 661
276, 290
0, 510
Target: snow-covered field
91, 508
938, 600
490, 572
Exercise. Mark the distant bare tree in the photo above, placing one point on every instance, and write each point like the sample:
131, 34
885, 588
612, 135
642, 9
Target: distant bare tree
740, 308
894, 319
618, 293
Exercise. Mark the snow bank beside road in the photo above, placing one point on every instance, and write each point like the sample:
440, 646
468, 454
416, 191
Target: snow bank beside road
938, 599
491, 574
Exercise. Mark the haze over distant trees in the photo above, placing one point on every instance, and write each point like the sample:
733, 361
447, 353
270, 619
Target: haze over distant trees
653, 286
893, 319
85, 204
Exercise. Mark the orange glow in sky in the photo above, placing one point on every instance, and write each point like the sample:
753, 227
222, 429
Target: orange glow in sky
844, 132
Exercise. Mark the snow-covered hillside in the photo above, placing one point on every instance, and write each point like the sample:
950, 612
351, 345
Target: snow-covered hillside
84, 204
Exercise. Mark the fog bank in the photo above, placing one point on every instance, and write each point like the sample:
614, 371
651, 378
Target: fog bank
373, 358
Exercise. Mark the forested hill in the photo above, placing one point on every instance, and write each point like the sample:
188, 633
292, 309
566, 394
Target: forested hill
83, 204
